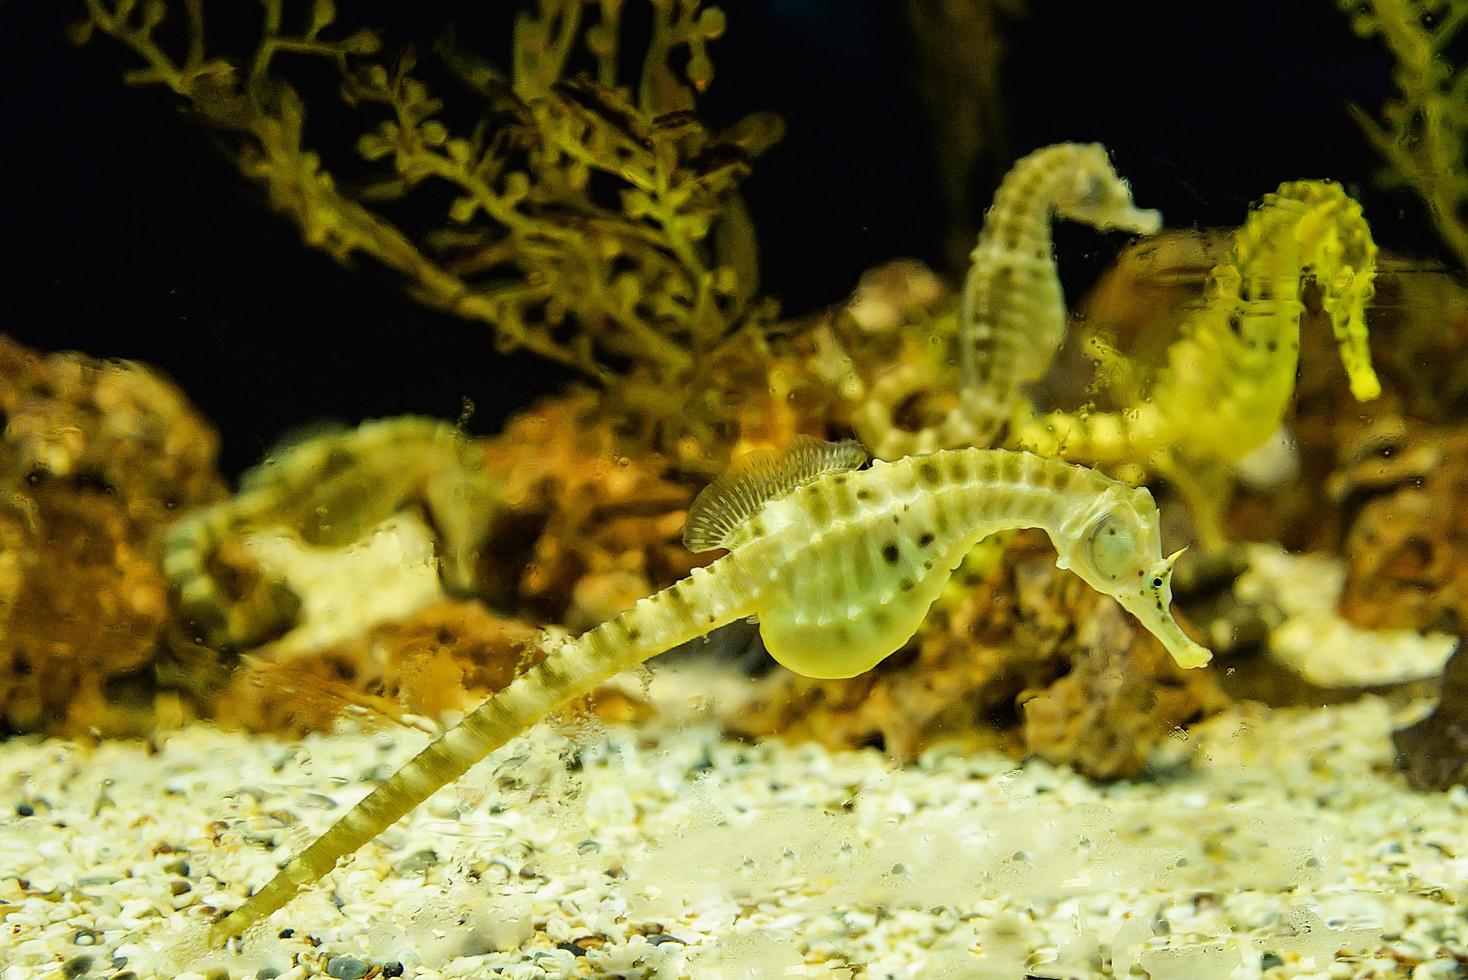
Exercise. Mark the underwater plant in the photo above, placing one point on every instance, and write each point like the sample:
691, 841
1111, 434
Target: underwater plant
591, 220
1422, 131
1012, 317
839, 565
1228, 378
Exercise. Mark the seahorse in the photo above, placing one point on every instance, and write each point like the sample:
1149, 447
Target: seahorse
1012, 317
1227, 379
329, 491
840, 566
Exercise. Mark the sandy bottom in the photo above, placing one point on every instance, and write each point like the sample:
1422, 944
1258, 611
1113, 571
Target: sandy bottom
1266, 844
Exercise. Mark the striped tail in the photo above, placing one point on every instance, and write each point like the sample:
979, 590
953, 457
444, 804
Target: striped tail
680, 613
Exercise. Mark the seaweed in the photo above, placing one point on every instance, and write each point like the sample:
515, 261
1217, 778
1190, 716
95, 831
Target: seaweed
589, 219
1422, 130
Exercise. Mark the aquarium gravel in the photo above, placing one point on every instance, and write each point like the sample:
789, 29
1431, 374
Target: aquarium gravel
672, 851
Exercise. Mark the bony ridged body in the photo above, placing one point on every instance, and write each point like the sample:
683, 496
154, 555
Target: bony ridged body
1012, 317
841, 568
855, 560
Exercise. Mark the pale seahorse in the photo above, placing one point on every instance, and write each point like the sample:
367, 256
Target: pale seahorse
1012, 317
329, 491
840, 566
1227, 379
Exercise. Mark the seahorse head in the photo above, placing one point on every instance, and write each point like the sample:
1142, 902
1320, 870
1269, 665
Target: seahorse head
1097, 196
1118, 552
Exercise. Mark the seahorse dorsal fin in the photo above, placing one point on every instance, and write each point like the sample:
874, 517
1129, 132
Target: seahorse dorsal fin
727, 504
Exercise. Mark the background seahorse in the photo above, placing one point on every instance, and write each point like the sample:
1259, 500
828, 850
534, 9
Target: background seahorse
1227, 379
1012, 318
329, 491
839, 565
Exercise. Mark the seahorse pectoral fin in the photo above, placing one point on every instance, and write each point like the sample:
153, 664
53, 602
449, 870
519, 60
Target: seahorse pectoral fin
720, 513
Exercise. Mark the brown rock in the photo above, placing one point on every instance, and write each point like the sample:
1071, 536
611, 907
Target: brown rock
95, 458
1435, 750
1407, 546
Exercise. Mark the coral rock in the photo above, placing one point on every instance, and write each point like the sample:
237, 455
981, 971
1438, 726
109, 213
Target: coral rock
1435, 750
444, 658
592, 522
1407, 549
95, 458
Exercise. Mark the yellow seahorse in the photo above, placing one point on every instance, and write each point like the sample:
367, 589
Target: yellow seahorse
1227, 379
1012, 318
839, 564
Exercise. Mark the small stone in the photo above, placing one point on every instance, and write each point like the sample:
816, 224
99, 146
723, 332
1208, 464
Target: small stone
346, 968
76, 966
417, 863
179, 887
1269, 961
25, 810
393, 969
267, 973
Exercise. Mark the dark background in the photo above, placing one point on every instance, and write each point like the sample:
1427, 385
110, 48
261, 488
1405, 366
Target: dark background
128, 235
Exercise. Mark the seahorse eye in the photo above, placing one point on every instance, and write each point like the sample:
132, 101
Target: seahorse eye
1090, 192
1111, 547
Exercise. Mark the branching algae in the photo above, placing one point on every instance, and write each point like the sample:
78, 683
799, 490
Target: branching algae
593, 221
1013, 315
839, 564
1228, 378
1422, 130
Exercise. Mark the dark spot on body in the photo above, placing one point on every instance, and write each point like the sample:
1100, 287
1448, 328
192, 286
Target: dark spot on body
925, 539
890, 552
